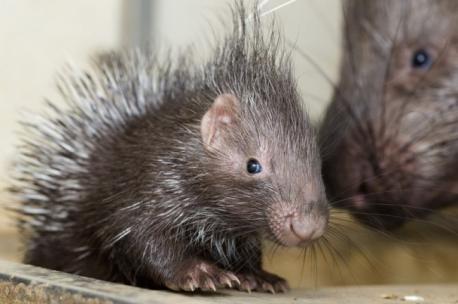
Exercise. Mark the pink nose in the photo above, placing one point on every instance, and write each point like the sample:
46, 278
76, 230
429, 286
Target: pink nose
302, 229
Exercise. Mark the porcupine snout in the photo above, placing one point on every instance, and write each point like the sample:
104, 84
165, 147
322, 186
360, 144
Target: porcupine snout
381, 185
296, 226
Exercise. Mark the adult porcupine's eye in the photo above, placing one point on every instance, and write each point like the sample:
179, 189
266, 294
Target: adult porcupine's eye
253, 166
421, 59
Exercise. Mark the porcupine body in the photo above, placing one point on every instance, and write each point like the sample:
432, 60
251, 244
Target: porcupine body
119, 186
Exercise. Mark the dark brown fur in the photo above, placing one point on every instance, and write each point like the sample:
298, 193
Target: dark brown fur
390, 136
121, 185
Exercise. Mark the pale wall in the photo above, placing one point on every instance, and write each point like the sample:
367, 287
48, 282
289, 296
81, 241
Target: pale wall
36, 38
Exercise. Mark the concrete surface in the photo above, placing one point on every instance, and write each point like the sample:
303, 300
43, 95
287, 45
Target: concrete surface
23, 283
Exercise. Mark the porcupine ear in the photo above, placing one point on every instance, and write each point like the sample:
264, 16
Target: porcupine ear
221, 116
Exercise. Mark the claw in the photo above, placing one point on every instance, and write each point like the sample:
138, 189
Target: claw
190, 286
268, 287
233, 277
225, 281
209, 285
262, 281
206, 276
247, 286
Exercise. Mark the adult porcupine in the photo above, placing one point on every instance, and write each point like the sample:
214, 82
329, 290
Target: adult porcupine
160, 174
392, 150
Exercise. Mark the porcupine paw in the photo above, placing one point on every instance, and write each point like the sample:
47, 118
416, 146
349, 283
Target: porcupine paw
203, 276
262, 281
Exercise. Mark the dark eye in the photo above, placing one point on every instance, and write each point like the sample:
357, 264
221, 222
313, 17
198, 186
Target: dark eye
421, 59
253, 166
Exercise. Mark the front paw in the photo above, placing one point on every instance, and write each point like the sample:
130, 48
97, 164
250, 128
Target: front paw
262, 281
204, 276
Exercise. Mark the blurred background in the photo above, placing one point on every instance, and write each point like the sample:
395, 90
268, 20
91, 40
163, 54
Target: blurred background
37, 38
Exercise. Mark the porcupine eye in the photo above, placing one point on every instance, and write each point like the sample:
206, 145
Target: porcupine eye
253, 166
421, 59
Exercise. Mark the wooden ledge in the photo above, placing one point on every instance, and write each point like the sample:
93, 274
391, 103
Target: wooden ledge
24, 283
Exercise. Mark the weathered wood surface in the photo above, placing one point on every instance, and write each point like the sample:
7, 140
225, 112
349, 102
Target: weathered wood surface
27, 284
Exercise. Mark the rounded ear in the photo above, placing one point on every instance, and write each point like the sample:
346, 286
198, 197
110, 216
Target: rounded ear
219, 118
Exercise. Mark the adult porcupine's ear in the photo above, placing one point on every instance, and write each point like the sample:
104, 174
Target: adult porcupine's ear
218, 120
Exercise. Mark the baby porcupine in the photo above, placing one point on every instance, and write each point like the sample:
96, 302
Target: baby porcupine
167, 174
